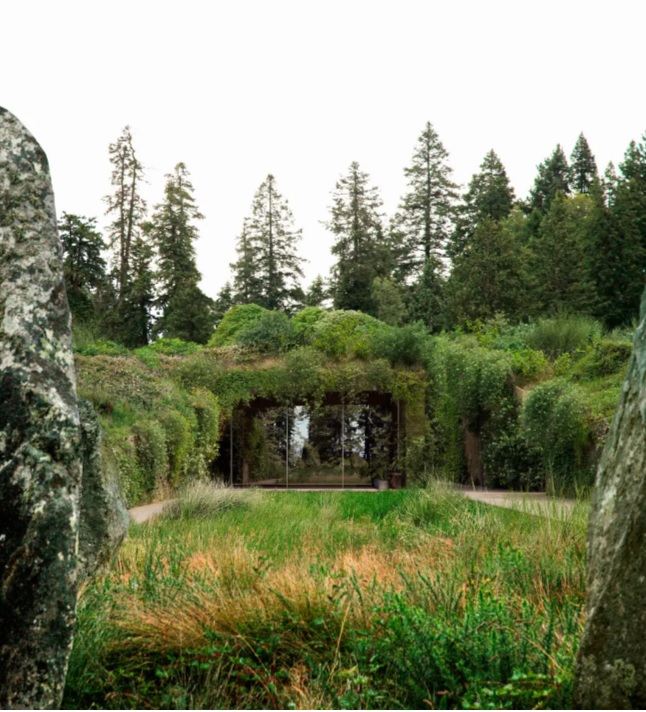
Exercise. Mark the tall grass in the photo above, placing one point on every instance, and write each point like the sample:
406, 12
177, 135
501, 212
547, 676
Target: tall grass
200, 500
336, 600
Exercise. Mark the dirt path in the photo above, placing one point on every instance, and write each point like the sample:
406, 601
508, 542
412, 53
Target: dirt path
530, 502
143, 514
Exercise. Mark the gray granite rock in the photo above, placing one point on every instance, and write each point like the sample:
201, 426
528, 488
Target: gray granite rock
104, 517
39, 433
611, 665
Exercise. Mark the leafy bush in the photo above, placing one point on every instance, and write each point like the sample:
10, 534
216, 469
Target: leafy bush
347, 334
233, 322
528, 363
304, 323
174, 347
271, 332
102, 348
467, 383
604, 358
511, 460
403, 346
554, 420
564, 334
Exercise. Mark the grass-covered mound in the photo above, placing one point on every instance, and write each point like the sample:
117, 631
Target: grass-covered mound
404, 600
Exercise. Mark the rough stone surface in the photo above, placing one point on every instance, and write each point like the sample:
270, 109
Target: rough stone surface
39, 433
104, 517
611, 665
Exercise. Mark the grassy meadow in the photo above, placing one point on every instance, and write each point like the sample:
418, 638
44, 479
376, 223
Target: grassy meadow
408, 599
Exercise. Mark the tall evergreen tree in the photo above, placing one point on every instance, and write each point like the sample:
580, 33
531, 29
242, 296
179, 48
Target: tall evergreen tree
423, 222
360, 246
125, 205
553, 178
223, 302
132, 319
247, 284
488, 276
490, 197
83, 263
186, 312
428, 296
268, 270
623, 286
389, 301
559, 260
583, 167
317, 293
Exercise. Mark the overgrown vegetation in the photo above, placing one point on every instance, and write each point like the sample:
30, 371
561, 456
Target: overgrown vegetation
524, 406
401, 600
161, 433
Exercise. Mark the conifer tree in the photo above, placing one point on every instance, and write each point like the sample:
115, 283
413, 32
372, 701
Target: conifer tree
360, 246
490, 197
83, 263
268, 270
317, 293
125, 205
223, 302
623, 284
247, 285
424, 220
488, 276
186, 312
389, 301
559, 260
427, 296
131, 322
583, 167
553, 178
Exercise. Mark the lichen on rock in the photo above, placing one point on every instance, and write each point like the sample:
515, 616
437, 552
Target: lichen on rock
39, 433
611, 664
104, 517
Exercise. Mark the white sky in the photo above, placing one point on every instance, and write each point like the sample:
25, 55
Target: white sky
240, 89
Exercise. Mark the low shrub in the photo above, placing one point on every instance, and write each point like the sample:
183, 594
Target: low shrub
528, 364
603, 359
347, 334
564, 334
304, 323
174, 347
233, 322
102, 348
404, 345
271, 332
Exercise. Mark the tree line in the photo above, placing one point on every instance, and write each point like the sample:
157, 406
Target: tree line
576, 244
